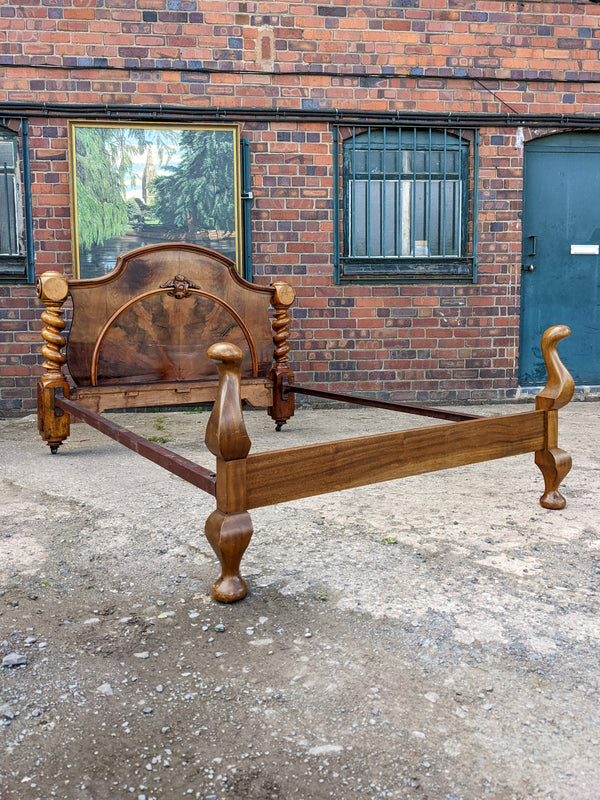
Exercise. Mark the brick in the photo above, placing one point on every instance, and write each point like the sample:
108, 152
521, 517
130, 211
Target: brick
182, 54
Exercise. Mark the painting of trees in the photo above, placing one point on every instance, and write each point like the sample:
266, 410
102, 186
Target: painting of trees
101, 207
197, 193
134, 184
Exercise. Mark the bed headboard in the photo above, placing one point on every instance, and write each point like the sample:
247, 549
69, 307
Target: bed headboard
153, 317
140, 335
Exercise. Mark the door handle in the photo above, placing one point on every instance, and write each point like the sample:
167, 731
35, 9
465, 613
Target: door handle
527, 267
533, 240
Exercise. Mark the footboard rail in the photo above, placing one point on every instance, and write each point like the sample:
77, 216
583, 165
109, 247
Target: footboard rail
310, 470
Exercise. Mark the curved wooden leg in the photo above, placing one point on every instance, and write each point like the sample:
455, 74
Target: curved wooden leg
554, 465
229, 535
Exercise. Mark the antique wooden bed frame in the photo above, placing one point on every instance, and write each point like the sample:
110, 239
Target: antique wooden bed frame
139, 338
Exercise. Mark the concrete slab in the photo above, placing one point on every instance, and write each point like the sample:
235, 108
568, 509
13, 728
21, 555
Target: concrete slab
435, 637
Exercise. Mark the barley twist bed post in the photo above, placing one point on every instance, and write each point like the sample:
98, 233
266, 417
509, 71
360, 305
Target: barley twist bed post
229, 528
553, 462
53, 424
281, 372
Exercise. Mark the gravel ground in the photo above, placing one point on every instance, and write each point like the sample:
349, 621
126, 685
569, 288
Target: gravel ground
433, 638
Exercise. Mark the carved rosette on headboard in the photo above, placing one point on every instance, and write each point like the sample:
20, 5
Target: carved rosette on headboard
180, 285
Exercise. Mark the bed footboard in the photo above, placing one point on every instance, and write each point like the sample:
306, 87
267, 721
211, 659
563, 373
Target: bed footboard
245, 481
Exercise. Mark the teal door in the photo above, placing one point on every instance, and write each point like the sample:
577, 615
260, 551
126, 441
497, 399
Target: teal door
561, 254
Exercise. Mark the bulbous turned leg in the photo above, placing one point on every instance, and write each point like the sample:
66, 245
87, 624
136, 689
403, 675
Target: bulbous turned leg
229, 535
554, 465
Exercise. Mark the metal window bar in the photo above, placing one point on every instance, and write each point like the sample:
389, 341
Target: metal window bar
442, 205
336, 203
475, 201
413, 234
8, 204
426, 199
399, 217
353, 224
383, 200
29, 249
368, 203
429, 201
460, 193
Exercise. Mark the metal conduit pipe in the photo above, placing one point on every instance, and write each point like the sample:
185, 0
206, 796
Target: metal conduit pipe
153, 113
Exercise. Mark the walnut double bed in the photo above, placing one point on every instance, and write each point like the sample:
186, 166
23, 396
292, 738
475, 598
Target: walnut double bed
174, 324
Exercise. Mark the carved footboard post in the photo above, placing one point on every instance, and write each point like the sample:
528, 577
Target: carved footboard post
283, 403
52, 288
229, 528
553, 462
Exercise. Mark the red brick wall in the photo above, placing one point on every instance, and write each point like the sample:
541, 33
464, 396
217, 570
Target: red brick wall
425, 342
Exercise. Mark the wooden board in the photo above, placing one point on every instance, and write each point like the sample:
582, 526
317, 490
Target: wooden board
317, 469
257, 392
161, 338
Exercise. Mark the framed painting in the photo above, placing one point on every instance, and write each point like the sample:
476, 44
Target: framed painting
138, 184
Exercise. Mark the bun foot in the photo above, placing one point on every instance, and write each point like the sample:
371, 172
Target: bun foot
554, 465
553, 500
229, 536
228, 590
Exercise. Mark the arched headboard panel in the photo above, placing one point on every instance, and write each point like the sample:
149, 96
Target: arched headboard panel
151, 339
153, 317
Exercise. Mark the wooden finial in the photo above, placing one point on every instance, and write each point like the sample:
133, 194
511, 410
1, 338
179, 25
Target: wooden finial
283, 297
52, 289
559, 385
226, 435
553, 462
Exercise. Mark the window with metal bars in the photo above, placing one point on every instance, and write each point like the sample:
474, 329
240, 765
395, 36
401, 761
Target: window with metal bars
14, 213
408, 204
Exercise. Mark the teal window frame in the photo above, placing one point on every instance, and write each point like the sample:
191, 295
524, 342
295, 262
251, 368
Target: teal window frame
16, 225
247, 198
415, 194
